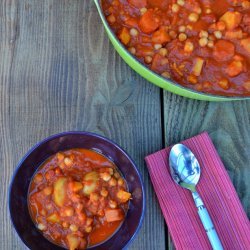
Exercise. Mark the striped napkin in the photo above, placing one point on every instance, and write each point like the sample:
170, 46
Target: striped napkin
217, 192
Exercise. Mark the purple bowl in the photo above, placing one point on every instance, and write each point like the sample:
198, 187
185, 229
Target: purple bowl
18, 190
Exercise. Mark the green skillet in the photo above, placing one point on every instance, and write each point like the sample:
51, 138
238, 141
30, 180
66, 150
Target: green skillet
153, 77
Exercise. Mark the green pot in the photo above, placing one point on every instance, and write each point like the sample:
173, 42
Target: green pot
153, 77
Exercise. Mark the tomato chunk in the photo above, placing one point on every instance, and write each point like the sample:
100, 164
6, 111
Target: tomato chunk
149, 21
138, 3
223, 50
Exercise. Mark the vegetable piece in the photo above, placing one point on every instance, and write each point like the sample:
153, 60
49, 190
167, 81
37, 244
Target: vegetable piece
91, 176
162, 4
75, 186
234, 34
123, 196
114, 215
138, 3
160, 36
223, 50
54, 218
246, 85
245, 43
234, 68
149, 21
73, 241
125, 36
197, 68
90, 180
232, 19
59, 194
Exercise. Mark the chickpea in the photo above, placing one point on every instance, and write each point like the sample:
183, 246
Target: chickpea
172, 34
198, 10
113, 182
175, 8
73, 227
104, 192
111, 171
132, 50
148, 59
38, 178
164, 61
203, 41
165, 74
157, 46
47, 191
224, 84
182, 37
117, 175
89, 221
133, 32
218, 34
208, 11
162, 52
69, 211
65, 224
111, 18
182, 28
105, 176
60, 156
68, 162
193, 17
41, 226
94, 197
120, 182
189, 47
203, 33
88, 229
143, 10
181, 2
43, 212
210, 44
112, 204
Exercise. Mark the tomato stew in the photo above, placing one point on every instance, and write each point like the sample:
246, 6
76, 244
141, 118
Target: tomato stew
78, 198
201, 44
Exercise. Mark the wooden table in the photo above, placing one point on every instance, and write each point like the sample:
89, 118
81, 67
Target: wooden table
59, 72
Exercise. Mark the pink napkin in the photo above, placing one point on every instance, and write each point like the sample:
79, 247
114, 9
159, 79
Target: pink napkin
217, 192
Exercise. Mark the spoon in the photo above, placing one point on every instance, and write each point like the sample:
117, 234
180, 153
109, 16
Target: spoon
185, 170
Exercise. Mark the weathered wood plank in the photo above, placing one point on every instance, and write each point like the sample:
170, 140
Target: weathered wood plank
59, 72
228, 124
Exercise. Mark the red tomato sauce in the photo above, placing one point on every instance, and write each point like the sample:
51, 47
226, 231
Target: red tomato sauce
203, 45
78, 198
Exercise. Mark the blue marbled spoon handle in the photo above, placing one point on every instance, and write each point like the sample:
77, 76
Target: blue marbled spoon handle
207, 223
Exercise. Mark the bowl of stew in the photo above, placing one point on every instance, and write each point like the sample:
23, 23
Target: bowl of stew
198, 49
76, 190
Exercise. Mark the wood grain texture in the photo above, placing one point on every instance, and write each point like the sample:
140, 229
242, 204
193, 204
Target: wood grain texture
228, 124
59, 72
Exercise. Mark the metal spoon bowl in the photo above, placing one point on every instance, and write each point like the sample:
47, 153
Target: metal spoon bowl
185, 171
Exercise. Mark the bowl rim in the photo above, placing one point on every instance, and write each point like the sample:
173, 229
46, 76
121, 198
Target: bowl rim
54, 136
193, 92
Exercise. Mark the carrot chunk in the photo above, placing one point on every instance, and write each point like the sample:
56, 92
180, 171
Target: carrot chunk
138, 3
223, 50
245, 43
149, 21
125, 36
114, 215
232, 19
234, 68
160, 36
